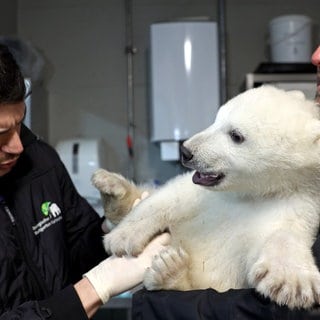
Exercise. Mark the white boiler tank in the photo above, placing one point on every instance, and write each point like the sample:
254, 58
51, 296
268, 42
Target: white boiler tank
184, 81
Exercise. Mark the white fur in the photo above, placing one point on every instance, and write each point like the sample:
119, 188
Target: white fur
255, 228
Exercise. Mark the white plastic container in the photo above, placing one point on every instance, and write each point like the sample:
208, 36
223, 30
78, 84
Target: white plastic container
290, 39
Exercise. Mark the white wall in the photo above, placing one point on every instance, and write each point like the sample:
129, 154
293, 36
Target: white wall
83, 42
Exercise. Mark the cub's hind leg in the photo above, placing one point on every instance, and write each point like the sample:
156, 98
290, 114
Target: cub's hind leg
169, 271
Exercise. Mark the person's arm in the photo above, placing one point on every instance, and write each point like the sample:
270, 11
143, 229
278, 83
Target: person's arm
110, 277
118, 274
88, 296
208, 304
63, 305
244, 304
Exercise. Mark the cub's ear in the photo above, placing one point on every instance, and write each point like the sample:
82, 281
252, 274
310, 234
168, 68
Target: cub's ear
297, 93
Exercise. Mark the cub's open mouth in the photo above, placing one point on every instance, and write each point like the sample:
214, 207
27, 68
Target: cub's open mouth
207, 179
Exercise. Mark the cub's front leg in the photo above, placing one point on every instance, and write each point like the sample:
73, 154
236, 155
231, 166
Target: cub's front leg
155, 214
117, 194
285, 271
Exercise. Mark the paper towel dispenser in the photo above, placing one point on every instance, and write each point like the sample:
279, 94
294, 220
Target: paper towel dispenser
81, 158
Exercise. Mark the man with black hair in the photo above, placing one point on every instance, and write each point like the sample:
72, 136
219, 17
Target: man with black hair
49, 236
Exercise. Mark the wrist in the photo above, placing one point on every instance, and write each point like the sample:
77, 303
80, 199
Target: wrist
88, 296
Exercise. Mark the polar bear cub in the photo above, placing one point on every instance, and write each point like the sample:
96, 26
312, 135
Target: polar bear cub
248, 214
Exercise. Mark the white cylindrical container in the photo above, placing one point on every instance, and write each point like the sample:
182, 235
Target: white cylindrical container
184, 81
290, 39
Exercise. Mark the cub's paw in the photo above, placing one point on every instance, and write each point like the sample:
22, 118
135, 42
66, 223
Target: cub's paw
126, 240
110, 183
296, 286
117, 194
168, 270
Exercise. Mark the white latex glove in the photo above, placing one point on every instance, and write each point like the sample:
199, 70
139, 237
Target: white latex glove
119, 274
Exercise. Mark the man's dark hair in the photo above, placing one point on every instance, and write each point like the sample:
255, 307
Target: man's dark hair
12, 86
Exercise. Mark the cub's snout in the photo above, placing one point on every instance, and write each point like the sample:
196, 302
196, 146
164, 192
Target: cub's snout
186, 156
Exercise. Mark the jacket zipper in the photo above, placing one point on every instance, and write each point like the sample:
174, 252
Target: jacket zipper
39, 284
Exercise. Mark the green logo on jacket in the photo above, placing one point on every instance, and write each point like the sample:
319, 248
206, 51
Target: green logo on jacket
52, 215
45, 208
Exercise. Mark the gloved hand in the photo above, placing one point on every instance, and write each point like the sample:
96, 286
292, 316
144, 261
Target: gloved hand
119, 274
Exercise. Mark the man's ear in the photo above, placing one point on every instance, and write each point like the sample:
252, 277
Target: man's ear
297, 93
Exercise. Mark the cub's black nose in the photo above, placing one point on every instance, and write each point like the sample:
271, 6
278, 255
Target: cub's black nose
186, 155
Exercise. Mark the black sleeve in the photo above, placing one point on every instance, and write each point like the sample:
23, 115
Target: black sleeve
64, 305
83, 228
244, 304
209, 304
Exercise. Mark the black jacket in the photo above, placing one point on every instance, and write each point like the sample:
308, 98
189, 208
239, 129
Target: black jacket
49, 236
208, 304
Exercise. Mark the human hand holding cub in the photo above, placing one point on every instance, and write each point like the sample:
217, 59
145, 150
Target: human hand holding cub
119, 274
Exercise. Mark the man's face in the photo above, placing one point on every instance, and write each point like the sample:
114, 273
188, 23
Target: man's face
11, 117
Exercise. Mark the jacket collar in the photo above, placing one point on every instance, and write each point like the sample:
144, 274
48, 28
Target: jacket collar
27, 136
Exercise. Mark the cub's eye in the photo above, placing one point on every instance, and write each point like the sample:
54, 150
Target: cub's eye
236, 136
